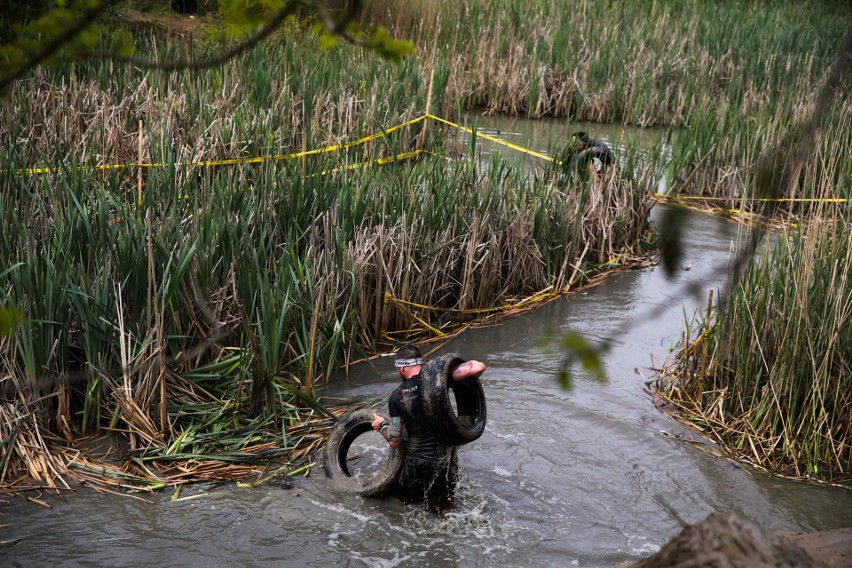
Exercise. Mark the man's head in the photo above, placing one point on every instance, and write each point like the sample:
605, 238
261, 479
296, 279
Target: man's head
581, 140
408, 360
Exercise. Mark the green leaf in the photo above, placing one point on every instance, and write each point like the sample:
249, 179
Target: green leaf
578, 349
396, 49
392, 49
328, 41
123, 44
9, 318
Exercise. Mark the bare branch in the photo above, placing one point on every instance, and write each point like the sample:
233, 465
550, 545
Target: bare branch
86, 19
222, 58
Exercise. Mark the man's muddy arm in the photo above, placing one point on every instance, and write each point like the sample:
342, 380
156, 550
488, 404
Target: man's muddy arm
390, 431
468, 370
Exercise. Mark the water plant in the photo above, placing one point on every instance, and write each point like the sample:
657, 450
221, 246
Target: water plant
729, 80
193, 317
186, 304
767, 373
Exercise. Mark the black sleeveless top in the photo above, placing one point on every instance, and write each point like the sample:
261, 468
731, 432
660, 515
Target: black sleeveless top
405, 403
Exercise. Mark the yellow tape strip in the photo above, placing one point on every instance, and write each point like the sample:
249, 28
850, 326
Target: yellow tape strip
403, 303
539, 297
425, 324
377, 161
30, 171
235, 161
277, 157
334, 147
753, 199
492, 138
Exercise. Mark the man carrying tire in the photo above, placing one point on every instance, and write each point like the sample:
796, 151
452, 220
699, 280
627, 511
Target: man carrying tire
588, 156
430, 468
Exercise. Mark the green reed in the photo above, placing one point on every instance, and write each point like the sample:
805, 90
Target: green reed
290, 267
730, 77
774, 383
664, 60
285, 262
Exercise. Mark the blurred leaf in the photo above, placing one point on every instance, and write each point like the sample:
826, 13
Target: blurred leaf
564, 379
328, 41
392, 49
670, 238
123, 44
9, 318
578, 350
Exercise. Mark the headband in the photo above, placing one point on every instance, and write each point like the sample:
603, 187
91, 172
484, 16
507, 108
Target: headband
400, 363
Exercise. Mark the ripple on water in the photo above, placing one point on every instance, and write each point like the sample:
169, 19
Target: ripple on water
479, 527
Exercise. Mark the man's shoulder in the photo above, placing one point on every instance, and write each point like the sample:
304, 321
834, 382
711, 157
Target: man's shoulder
399, 391
406, 388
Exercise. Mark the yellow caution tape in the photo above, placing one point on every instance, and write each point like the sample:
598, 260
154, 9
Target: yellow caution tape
30, 171
377, 161
753, 199
425, 324
544, 295
388, 297
492, 138
405, 304
236, 161
334, 147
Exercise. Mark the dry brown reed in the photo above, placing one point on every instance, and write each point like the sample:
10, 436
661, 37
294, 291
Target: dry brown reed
606, 62
76, 118
766, 374
454, 276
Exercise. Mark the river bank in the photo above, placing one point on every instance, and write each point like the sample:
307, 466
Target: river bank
594, 475
565, 498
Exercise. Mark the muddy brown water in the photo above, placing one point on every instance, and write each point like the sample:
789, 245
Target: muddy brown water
590, 476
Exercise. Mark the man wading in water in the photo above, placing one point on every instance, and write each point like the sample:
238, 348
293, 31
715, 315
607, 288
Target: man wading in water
430, 467
587, 156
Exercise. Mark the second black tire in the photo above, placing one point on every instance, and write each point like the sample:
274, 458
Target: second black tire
467, 422
346, 431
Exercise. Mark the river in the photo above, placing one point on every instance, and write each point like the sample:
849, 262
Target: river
589, 476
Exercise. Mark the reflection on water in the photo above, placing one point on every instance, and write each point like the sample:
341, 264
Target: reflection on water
548, 134
591, 476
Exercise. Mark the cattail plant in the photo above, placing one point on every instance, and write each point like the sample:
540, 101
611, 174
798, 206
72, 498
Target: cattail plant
768, 375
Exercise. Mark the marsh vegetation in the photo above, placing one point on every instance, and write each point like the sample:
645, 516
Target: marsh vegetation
189, 308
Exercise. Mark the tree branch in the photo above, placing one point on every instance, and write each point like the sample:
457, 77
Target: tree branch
265, 32
86, 19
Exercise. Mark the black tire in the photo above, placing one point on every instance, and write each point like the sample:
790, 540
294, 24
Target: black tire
344, 433
600, 157
452, 429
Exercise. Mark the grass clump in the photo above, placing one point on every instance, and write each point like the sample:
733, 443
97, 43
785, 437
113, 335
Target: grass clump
768, 376
194, 324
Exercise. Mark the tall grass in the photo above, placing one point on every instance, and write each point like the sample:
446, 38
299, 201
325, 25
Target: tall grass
294, 97
283, 262
731, 77
646, 63
769, 375
219, 300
